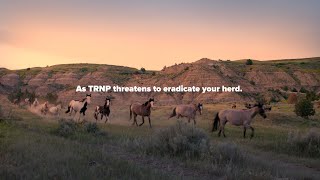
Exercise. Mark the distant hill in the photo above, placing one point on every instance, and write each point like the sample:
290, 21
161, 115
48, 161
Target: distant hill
270, 80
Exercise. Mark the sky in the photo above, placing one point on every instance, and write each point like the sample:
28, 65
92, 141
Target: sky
153, 34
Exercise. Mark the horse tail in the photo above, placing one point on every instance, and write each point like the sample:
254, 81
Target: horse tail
174, 113
216, 121
130, 112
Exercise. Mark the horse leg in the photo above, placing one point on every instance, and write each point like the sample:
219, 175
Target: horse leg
107, 118
149, 121
135, 119
244, 131
188, 120
194, 121
223, 128
142, 121
252, 132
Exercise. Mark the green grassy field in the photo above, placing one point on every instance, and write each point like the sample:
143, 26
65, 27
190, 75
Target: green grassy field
31, 147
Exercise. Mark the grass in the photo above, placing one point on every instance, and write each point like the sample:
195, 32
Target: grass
34, 148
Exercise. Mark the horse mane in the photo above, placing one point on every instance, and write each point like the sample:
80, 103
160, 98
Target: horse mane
146, 103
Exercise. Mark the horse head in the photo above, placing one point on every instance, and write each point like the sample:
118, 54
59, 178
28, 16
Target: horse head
199, 108
261, 110
107, 102
151, 101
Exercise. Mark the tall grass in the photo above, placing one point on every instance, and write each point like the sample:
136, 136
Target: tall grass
307, 144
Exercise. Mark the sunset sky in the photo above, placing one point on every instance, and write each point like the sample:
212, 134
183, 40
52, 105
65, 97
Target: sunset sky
153, 34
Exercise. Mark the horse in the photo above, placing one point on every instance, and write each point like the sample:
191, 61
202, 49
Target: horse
141, 110
27, 101
188, 111
103, 110
237, 118
79, 106
55, 110
44, 108
35, 102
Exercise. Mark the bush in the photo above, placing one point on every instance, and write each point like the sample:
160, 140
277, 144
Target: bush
92, 128
66, 128
307, 144
312, 96
303, 90
249, 62
226, 153
179, 140
294, 90
304, 108
285, 88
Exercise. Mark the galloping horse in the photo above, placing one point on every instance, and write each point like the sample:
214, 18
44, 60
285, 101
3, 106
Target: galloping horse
142, 110
237, 118
103, 110
188, 111
35, 102
55, 110
44, 108
79, 106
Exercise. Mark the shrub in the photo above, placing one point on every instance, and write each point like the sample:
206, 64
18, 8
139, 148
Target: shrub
303, 90
285, 88
252, 82
66, 128
225, 153
294, 90
308, 144
179, 140
312, 96
304, 108
92, 128
249, 62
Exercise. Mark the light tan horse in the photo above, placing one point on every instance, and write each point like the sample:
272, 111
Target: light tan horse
141, 110
189, 111
237, 118
79, 106
44, 108
55, 110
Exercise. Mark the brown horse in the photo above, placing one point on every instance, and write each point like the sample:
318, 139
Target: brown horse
237, 118
141, 110
188, 111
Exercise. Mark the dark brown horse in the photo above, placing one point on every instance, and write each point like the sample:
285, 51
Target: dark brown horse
103, 110
141, 110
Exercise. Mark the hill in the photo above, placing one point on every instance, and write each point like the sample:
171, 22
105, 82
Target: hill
264, 79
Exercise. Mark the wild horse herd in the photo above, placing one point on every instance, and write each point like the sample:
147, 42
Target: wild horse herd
237, 117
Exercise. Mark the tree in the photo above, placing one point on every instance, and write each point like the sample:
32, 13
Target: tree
143, 70
312, 96
249, 62
304, 108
